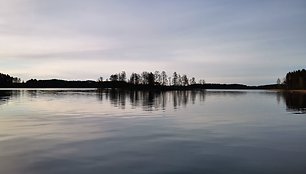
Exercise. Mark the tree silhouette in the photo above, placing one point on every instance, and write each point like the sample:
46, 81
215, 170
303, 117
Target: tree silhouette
185, 81
278, 81
151, 78
202, 82
16, 80
135, 78
5, 79
100, 79
180, 81
192, 81
175, 79
157, 77
296, 79
163, 78
113, 77
122, 76
144, 77
169, 81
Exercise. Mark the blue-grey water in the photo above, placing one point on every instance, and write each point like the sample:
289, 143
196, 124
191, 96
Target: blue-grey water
78, 131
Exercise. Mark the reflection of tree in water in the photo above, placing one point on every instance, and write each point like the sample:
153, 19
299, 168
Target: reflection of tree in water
295, 101
116, 96
6, 95
150, 100
278, 97
181, 98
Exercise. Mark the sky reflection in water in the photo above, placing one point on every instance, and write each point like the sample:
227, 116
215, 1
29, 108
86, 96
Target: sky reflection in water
115, 131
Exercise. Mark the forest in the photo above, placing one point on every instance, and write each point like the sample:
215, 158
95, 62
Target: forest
296, 80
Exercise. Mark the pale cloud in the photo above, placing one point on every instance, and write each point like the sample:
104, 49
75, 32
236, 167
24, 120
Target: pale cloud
219, 41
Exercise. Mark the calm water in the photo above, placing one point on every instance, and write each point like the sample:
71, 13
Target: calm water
109, 131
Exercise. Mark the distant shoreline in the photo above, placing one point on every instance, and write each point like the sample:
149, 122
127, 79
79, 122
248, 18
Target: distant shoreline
44, 84
294, 82
125, 85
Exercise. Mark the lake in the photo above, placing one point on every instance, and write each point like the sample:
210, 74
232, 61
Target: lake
62, 131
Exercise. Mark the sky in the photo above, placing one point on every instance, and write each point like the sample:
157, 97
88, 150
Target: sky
220, 41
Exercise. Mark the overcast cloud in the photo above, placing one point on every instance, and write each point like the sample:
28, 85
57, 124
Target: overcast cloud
252, 42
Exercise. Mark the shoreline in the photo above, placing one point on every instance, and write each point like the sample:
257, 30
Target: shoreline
291, 90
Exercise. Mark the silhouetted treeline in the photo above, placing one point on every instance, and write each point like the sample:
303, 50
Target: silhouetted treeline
161, 81
156, 78
55, 83
272, 86
157, 81
296, 79
8, 81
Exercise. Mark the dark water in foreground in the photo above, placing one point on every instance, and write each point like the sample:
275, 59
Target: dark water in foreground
90, 131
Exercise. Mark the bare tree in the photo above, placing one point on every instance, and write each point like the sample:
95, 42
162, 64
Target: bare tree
122, 76
144, 77
113, 77
157, 77
175, 79
135, 78
185, 81
278, 81
192, 81
163, 78
202, 81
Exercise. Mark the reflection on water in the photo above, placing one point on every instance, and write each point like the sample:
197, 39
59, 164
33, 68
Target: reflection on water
132, 132
150, 100
156, 100
147, 100
4, 96
295, 102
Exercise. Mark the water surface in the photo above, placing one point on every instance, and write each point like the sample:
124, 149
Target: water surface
131, 132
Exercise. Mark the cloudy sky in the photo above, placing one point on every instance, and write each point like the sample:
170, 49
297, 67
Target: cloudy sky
237, 41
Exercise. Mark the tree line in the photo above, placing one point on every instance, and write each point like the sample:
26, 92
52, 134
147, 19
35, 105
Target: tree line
157, 81
156, 78
295, 79
151, 80
7, 80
